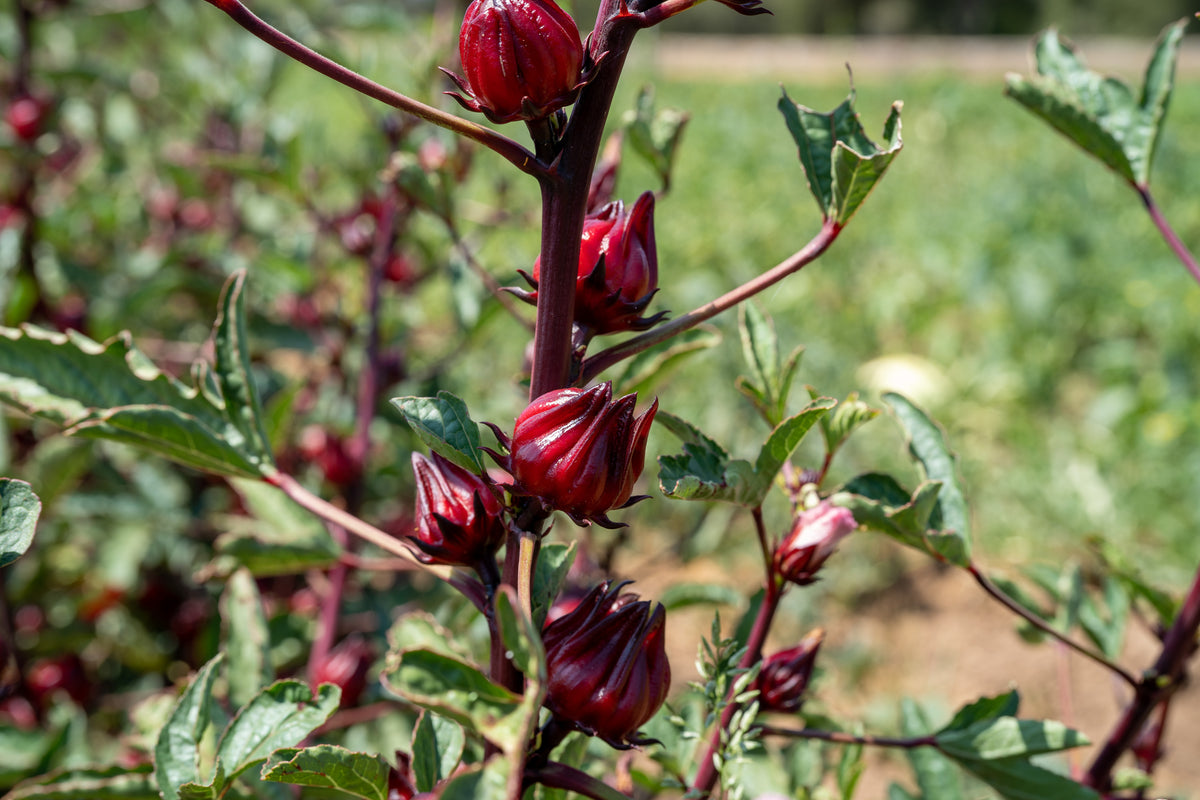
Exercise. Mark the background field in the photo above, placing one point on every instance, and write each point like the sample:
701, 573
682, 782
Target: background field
998, 276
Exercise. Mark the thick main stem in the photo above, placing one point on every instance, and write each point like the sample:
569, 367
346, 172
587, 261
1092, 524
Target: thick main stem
1157, 684
564, 205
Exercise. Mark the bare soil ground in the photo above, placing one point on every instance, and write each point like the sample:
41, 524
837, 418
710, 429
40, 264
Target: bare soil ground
937, 638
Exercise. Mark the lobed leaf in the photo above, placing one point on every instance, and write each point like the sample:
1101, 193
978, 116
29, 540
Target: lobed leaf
112, 391
1102, 114
841, 164
458, 691
927, 443
281, 715
935, 773
19, 512
88, 783
362, 775
444, 425
437, 747
246, 638
177, 751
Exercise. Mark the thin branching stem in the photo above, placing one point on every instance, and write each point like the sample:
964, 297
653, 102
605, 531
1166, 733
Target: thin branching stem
1168, 233
517, 155
838, 737
998, 594
601, 361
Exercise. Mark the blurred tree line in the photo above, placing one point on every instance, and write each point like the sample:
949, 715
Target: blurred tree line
897, 17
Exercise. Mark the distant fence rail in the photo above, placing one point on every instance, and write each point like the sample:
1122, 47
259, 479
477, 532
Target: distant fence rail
825, 57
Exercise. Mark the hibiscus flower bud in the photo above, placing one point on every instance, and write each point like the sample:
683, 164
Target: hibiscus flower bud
784, 676
618, 268
813, 538
606, 664
458, 514
521, 59
346, 666
580, 451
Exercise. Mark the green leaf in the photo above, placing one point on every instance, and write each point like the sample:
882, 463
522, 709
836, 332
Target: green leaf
19, 512
246, 638
936, 776
1102, 114
177, 750
278, 538
87, 783
909, 523
927, 443
655, 135
420, 631
445, 426
232, 370
281, 715
326, 766
549, 573
841, 164
704, 470
480, 782
1017, 779
458, 691
769, 384
112, 391
682, 595
1107, 629
847, 417
437, 747
784, 439
1008, 737
760, 349
983, 709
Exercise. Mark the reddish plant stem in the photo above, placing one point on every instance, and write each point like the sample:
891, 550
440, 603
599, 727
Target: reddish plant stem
845, 738
560, 776
706, 775
510, 150
601, 361
997, 594
1155, 686
1168, 233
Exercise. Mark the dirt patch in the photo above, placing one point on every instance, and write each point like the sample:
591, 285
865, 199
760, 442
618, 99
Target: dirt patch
937, 638
824, 58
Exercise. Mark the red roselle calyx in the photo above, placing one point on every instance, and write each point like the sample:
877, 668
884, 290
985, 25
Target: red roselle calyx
458, 514
606, 664
784, 676
346, 666
618, 269
580, 451
813, 538
521, 59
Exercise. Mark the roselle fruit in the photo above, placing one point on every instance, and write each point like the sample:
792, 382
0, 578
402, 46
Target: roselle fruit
813, 538
606, 664
580, 451
521, 59
784, 676
457, 514
618, 268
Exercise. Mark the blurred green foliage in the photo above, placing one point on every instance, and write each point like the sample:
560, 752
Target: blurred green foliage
997, 275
